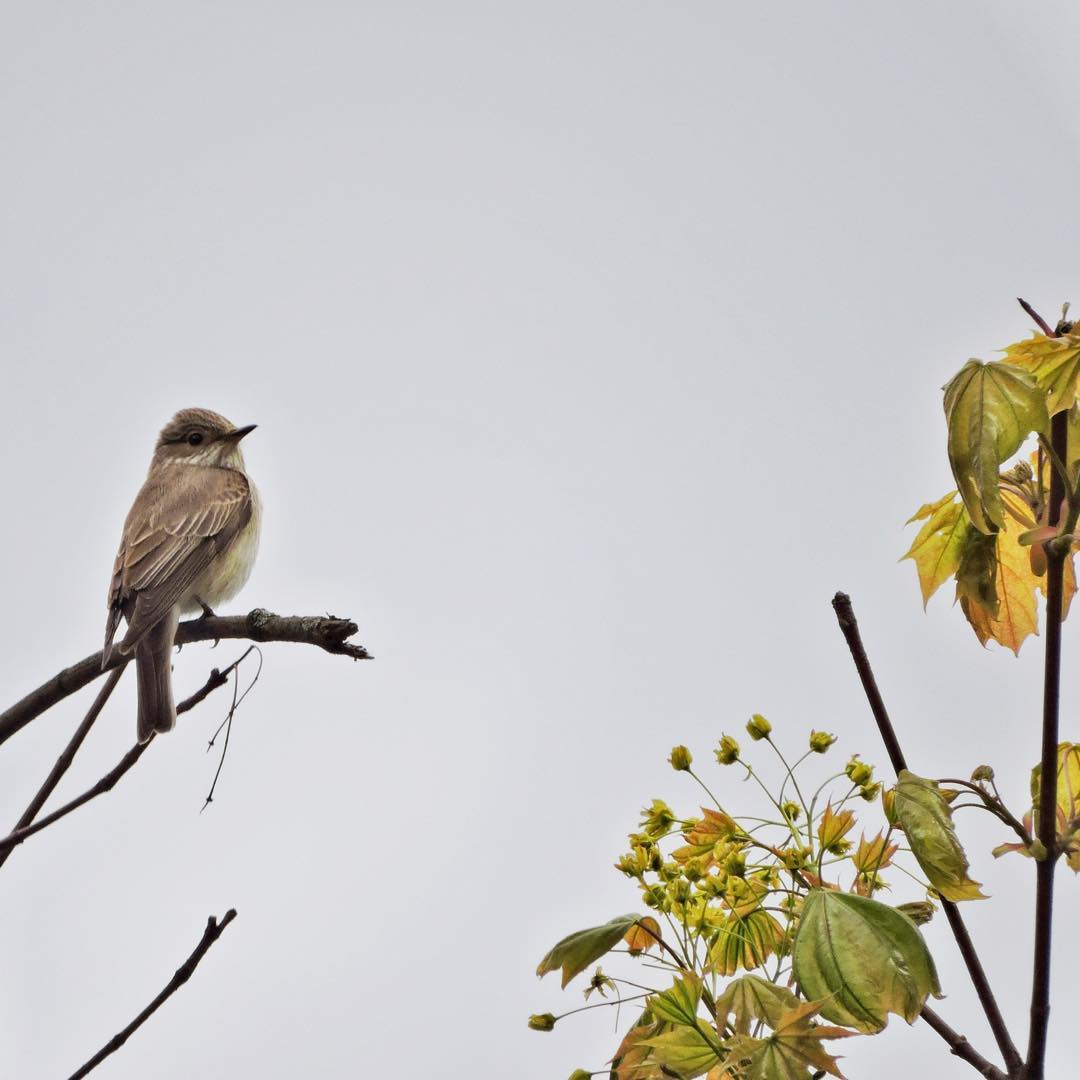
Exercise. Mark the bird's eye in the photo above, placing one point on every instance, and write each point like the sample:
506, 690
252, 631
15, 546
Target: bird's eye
194, 438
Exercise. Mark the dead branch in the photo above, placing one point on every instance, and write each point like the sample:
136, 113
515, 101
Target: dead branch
184, 972
326, 632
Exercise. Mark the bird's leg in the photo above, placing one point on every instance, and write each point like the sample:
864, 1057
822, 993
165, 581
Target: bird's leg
207, 613
207, 610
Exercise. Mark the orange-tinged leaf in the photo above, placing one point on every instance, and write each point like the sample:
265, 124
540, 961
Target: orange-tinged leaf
833, 827
1016, 617
1055, 364
937, 546
643, 935
715, 826
634, 1059
990, 409
794, 1048
873, 855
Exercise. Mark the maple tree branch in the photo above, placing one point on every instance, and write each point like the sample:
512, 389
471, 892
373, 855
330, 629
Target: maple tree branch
961, 1047
326, 632
27, 827
63, 762
994, 804
213, 931
849, 627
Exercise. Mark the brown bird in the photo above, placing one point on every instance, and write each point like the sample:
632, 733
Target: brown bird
189, 543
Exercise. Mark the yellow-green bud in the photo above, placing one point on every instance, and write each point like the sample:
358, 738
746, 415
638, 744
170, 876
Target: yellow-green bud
888, 796
820, 741
542, 1021
983, 772
728, 750
680, 758
736, 863
870, 791
680, 891
757, 727
657, 818
859, 772
580, 1074
918, 911
791, 811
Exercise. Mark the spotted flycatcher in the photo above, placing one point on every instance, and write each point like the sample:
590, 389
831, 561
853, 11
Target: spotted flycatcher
189, 543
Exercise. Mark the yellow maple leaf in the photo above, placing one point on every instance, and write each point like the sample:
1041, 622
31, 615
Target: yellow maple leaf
937, 547
1055, 364
1014, 582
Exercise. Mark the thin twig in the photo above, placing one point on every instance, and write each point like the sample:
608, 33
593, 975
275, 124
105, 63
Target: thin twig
213, 931
63, 762
227, 723
845, 616
108, 781
992, 803
961, 1047
326, 632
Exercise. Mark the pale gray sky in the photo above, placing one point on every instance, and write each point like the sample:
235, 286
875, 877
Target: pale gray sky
593, 346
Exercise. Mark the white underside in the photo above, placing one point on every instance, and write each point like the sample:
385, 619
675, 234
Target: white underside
227, 574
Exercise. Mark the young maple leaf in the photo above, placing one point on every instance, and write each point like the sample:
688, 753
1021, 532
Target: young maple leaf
937, 546
1055, 364
794, 1046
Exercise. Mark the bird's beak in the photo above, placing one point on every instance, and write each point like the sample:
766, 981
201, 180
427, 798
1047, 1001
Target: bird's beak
238, 433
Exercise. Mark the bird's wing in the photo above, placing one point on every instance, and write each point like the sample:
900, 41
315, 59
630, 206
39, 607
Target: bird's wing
178, 523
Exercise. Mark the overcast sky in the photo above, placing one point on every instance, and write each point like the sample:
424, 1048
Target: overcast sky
592, 346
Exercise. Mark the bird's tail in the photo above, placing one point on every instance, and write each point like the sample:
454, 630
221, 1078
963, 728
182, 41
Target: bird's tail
153, 668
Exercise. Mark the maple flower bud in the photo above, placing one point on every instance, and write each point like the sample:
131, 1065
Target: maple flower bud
542, 1021
858, 772
757, 727
735, 864
728, 750
918, 911
580, 1074
820, 741
791, 810
887, 798
983, 772
657, 819
680, 759
870, 791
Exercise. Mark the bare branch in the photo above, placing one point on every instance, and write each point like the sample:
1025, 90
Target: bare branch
212, 932
326, 632
849, 627
63, 762
108, 781
961, 1047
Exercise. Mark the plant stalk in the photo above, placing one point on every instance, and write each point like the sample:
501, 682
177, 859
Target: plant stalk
1047, 816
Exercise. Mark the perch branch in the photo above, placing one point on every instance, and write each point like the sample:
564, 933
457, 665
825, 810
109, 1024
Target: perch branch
184, 972
325, 632
849, 627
